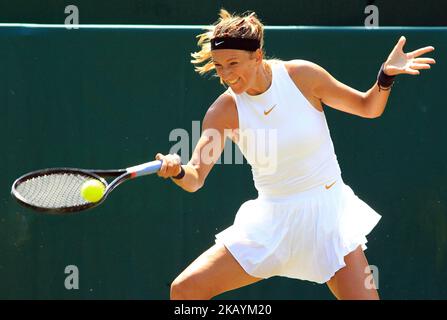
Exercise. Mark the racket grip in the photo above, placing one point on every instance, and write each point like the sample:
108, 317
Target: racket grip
145, 168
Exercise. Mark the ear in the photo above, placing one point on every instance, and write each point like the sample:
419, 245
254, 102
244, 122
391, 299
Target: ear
259, 55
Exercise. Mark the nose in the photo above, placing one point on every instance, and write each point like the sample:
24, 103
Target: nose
224, 74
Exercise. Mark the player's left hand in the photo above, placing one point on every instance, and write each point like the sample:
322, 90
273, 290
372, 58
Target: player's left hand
399, 62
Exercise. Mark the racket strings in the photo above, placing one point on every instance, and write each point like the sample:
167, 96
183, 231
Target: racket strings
56, 190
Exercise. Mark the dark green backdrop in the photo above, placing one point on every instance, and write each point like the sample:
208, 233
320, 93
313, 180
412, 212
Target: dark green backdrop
278, 12
107, 98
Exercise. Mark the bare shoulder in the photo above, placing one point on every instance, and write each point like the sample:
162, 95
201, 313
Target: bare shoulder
307, 76
222, 114
303, 69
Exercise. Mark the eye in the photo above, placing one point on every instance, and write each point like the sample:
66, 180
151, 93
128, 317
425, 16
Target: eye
233, 63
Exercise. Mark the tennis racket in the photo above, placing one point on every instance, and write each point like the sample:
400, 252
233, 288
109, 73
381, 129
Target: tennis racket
58, 190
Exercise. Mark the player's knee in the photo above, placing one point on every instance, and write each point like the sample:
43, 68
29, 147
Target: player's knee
178, 289
189, 288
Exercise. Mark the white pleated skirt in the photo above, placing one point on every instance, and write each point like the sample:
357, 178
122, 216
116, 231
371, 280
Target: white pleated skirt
304, 236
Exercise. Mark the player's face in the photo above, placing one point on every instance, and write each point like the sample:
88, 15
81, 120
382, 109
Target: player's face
236, 68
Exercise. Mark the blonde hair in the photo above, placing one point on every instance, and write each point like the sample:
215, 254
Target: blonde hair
246, 26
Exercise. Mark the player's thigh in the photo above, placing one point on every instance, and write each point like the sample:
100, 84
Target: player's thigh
217, 271
354, 281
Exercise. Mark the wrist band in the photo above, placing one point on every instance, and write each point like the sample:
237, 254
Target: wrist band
384, 81
180, 175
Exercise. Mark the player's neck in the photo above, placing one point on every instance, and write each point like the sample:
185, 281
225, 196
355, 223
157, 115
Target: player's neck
263, 80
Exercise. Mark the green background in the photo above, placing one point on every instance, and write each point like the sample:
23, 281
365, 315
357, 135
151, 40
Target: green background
108, 98
279, 12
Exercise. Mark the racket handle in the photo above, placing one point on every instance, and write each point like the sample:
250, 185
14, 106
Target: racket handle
144, 169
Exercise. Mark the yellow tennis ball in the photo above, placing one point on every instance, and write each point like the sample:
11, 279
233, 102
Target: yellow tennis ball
92, 190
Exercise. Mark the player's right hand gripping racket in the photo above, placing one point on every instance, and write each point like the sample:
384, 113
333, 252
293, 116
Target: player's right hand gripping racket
58, 190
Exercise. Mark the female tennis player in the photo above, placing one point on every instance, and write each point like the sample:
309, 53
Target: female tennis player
306, 222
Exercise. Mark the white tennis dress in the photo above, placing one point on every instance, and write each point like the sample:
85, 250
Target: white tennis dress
305, 219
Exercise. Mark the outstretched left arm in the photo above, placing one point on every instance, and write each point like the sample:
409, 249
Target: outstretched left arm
397, 62
370, 104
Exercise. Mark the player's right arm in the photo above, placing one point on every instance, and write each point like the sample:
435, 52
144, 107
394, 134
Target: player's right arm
219, 122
